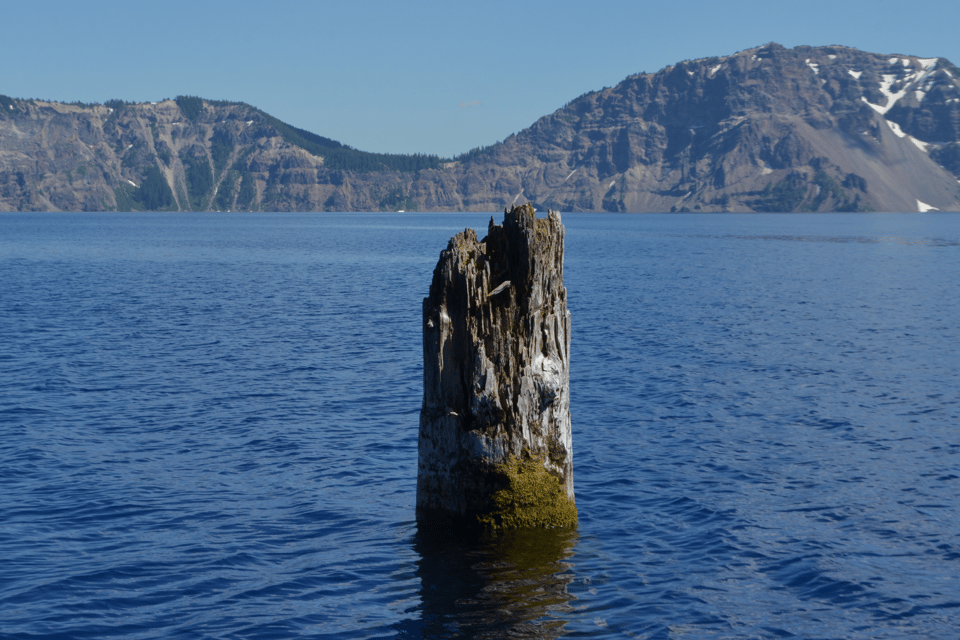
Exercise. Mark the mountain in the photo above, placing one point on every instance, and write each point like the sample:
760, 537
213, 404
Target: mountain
184, 154
765, 129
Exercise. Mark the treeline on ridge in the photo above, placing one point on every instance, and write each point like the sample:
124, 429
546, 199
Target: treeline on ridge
336, 155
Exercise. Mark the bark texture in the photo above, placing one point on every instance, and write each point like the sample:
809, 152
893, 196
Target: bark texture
495, 441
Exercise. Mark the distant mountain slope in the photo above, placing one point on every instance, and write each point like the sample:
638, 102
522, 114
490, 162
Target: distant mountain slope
766, 129
184, 154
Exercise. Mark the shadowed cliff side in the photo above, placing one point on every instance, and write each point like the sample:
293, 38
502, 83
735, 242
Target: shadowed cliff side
495, 442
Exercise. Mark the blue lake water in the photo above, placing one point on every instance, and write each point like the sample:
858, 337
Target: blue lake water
208, 429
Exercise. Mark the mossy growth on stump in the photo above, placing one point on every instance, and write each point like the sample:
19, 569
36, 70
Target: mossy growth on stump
533, 497
495, 444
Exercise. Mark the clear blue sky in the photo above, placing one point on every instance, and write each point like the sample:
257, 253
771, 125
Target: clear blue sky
429, 77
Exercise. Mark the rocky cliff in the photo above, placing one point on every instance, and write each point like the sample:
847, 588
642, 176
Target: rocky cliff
766, 129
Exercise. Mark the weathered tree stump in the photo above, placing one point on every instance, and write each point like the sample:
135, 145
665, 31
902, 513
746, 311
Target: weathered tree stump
495, 444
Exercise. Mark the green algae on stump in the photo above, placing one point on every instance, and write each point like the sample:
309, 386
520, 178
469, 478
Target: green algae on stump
495, 423
533, 498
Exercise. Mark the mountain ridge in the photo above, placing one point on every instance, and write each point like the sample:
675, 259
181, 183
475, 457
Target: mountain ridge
764, 129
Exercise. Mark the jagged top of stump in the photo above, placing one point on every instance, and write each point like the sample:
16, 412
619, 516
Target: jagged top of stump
509, 253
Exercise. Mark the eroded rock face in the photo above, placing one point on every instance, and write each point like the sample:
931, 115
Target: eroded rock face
496, 348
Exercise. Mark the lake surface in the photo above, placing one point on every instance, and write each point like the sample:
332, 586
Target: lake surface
208, 429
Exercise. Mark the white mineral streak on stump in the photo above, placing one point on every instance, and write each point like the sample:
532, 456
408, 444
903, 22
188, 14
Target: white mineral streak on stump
495, 442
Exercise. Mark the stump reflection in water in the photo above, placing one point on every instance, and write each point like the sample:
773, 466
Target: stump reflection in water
494, 586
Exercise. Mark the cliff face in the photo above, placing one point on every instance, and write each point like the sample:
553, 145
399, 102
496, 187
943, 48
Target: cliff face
766, 129
165, 156
66, 157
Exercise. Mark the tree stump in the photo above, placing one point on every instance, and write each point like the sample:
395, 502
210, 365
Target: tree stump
495, 446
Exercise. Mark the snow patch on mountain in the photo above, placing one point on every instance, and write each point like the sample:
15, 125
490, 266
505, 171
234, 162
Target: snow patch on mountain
888, 81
